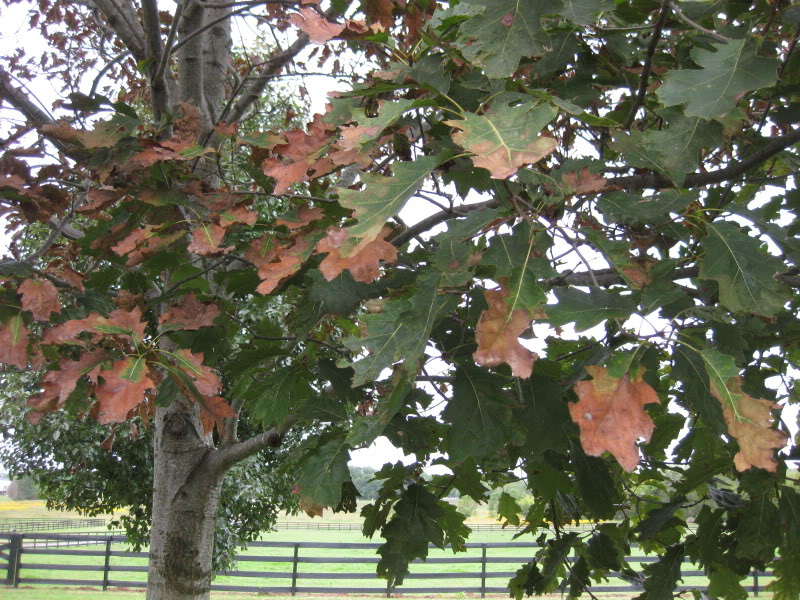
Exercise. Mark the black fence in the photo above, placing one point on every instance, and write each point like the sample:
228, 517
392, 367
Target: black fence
299, 566
308, 525
31, 525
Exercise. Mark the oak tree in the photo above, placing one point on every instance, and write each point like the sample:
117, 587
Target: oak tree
541, 241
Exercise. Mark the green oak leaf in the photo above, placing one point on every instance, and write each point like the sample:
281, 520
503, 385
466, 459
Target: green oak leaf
674, 150
628, 208
508, 509
476, 412
587, 309
584, 12
282, 390
419, 519
400, 331
514, 257
506, 137
744, 272
595, 484
712, 91
663, 575
323, 472
382, 198
504, 33
692, 371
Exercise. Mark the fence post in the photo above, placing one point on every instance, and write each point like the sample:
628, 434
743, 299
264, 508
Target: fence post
12, 576
755, 582
483, 570
107, 565
388, 589
294, 569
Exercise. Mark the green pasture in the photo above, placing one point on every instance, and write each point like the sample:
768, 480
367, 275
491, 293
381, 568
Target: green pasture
312, 562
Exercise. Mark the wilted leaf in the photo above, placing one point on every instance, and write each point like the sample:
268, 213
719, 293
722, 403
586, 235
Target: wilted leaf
205, 379
749, 419
497, 334
122, 389
317, 27
40, 297
610, 415
213, 411
206, 239
58, 385
14, 342
583, 182
305, 215
506, 137
278, 262
118, 322
190, 313
363, 261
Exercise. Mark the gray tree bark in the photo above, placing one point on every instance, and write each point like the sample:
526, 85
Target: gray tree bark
185, 497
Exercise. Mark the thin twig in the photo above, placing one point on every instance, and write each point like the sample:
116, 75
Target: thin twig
712, 34
647, 66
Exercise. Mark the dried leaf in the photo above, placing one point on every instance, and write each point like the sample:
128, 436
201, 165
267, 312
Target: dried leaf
583, 182
58, 385
380, 11
190, 314
750, 421
305, 216
122, 389
206, 240
40, 297
311, 508
213, 411
205, 380
317, 27
238, 214
119, 322
610, 415
279, 263
363, 262
506, 137
302, 157
14, 342
497, 334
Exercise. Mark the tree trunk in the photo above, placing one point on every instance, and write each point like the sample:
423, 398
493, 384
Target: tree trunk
185, 498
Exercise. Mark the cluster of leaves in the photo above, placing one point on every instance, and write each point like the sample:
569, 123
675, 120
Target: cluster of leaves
167, 295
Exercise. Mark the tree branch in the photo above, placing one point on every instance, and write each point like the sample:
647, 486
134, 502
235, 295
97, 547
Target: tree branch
155, 53
712, 34
256, 87
459, 211
121, 16
224, 458
647, 66
657, 181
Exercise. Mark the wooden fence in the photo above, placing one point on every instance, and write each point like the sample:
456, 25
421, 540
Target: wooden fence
31, 525
345, 526
304, 565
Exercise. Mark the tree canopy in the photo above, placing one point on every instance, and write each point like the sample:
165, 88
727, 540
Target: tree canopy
545, 241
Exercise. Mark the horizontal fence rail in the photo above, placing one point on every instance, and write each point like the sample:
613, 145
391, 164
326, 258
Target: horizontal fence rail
31, 525
306, 525
297, 567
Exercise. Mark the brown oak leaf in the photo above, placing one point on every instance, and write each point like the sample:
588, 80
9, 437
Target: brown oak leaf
122, 389
14, 342
212, 412
304, 216
278, 263
610, 416
190, 314
583, 182
317, 27
127, 324
40, 297
58, 385
238, 214
497, 334
100, 198
206, 240
363, 262
380, 11
750, 422
311, 508
205, 379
